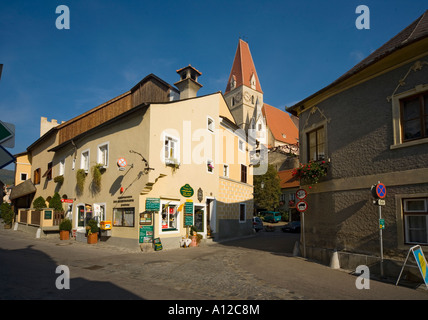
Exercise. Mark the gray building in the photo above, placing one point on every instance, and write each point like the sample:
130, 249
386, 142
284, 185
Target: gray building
370, 125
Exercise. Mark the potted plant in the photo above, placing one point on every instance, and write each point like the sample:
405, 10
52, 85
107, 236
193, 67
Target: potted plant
311, 172
97, 171
59, 180
64, 229
80, 178
7, 215
92, 229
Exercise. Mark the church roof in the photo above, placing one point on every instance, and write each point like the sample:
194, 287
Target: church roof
280, 124
243, 68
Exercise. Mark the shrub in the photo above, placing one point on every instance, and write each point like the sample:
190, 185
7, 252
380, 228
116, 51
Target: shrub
65, 225
56, 203
7, 213
92, 226
39, 203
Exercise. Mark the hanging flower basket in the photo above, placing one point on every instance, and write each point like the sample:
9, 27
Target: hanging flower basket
311, 172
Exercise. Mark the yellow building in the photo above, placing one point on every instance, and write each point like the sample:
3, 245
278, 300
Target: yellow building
165, 165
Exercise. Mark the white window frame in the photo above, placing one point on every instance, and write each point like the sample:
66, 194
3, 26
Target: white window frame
61, 167
178, 217
209, 161
176, 155
241, 145
100, 154
226, 170
82, 160
26, 176
414, 213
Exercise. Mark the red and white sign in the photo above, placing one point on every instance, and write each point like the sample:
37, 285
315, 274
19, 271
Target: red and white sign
121, 162
301, 194
67, 200
302, 206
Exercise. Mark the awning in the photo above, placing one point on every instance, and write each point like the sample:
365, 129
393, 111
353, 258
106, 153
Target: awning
21, 190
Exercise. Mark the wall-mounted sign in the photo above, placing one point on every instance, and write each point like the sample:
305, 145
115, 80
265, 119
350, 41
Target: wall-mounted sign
146, 218
152, 204
121, 163
188, 213
146, 234
67, 200
48, 215
200, 195
186, 191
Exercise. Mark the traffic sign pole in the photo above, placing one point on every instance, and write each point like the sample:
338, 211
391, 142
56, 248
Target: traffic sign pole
381, 242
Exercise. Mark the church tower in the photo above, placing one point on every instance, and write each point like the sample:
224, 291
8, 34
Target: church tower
244, 94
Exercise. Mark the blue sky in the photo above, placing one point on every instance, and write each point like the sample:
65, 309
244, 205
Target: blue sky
298, 48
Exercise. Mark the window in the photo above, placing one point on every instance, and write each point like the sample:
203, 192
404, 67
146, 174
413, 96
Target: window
210, 124
226, 170
414, 117
241, 145
103, 155
415, 220
242, 212
210, 166
84, 160
48, 173
243, 173
123, 217
316, 144
169, 217
37, 176
171, 150
61, 167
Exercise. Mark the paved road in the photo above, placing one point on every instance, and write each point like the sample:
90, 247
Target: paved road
255, 268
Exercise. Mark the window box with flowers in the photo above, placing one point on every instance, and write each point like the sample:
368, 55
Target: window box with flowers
312, 172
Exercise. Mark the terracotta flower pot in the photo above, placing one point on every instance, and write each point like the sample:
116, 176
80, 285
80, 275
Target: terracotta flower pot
92, 238
64, 235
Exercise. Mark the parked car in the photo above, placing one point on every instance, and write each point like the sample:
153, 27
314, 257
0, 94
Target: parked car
257, 224
271, 216
293, 226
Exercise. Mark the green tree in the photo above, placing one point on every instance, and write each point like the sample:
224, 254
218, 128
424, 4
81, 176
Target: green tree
268, 196
6, 213
56, 203
39, 203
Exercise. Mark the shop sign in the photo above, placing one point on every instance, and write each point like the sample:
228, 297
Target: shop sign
48, 215
146, 234
124, 201
153, 204
188, 213
146, 218
186, 191
67, 200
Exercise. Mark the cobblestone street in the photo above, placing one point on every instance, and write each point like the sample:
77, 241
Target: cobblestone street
255, 268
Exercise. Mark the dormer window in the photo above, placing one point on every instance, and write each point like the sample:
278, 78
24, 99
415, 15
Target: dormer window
232, 83
253, 81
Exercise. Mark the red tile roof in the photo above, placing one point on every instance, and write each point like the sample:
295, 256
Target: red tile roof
243, 68
287, 180
280, 124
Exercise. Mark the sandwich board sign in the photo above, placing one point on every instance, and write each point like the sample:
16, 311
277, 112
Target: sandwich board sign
420, 261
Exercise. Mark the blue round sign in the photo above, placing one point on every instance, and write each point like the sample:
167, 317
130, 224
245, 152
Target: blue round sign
381, 190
